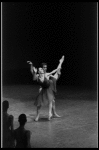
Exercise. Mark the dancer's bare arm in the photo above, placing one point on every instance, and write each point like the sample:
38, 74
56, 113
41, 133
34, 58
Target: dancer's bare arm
33, 70
35, 75
31, 66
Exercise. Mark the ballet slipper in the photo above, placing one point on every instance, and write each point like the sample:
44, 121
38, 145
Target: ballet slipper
50, 117
36, 119
61, 60
56, 116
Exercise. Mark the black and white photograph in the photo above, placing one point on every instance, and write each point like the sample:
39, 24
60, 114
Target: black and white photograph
49, 74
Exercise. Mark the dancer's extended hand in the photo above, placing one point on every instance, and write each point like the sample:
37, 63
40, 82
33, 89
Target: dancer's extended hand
29, 62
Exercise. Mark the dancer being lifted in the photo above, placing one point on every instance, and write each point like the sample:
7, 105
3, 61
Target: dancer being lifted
47, 82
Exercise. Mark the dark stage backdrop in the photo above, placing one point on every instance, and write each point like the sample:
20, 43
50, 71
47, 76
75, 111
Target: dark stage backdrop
43, 32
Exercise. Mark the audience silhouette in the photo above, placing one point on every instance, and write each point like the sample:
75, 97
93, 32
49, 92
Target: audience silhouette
21, 135
8, 139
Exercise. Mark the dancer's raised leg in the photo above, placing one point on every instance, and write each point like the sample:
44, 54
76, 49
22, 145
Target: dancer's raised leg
61, 61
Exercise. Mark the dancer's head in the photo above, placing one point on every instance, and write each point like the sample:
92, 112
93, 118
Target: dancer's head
22, 119
41, 72
5, 106
44, 66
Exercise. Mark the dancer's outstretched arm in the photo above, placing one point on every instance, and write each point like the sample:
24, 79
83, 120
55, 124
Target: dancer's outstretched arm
33, 70
31, 66
35, 75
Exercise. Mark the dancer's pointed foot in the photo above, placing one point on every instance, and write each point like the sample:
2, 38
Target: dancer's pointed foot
36, 119
56, 116
62, 59
50, 117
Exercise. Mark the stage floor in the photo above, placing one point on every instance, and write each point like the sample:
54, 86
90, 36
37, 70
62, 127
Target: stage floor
77, 127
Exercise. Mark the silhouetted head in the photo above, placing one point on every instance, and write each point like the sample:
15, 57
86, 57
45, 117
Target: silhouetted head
44, 66
22, 119
5, 106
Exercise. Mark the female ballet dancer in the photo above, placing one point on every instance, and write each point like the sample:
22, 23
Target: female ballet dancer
47, 89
